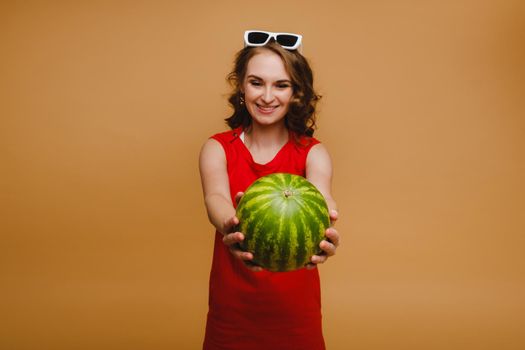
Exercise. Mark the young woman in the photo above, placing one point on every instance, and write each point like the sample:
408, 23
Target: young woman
272, 130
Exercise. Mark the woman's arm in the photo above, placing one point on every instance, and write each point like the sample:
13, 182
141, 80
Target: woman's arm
216, 186
319, 173
216, 190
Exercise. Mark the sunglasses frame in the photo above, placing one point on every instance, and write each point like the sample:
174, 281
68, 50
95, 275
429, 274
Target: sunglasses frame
274, 36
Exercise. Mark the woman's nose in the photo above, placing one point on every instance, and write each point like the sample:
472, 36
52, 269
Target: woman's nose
268, 95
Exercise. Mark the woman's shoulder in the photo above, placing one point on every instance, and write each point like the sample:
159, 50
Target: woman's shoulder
227, 136
304, 141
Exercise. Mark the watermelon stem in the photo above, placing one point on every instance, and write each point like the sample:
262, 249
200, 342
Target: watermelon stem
287, 193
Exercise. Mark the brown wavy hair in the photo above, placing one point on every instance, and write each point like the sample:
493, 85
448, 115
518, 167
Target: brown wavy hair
301, 114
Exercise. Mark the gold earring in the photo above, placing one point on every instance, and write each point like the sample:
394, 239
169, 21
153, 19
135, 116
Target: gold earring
241, 98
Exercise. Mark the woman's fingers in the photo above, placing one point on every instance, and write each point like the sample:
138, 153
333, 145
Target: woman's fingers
238, 197
239, 254
229, 224
332, 236
334, 215
232, 238
311, 266
328, 246
250, 265
319, 259
232, 241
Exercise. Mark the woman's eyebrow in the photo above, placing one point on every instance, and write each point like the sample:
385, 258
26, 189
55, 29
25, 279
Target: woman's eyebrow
278, 81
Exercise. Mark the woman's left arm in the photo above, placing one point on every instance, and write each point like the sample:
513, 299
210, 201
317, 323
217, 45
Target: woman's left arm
319, 173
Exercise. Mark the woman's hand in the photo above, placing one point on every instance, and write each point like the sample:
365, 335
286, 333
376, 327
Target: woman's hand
328, 245
232, 240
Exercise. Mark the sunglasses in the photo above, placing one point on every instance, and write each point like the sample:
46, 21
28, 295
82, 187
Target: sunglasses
288, 41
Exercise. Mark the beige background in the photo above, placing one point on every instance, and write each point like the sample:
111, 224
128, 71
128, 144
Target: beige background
104, 106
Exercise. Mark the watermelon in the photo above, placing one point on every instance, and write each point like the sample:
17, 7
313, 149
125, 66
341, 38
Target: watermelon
283, 218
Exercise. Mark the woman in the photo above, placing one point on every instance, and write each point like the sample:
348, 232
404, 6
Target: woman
271, 131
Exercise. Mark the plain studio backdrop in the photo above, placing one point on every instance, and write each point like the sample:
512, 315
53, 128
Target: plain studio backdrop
104, 106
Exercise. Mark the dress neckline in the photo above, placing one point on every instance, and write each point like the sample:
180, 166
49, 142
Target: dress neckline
270, 162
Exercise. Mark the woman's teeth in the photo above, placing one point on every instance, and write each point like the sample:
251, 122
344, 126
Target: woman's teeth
271, 108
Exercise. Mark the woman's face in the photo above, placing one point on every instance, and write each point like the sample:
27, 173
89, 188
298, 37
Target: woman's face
267, 88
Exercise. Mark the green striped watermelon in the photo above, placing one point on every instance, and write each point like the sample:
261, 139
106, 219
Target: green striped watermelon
284, 218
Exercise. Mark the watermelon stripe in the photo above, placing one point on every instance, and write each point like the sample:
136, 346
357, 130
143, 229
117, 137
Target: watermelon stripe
257, 228
319, 202
302, 252
280, 253
293, 243
262, 237
317, 230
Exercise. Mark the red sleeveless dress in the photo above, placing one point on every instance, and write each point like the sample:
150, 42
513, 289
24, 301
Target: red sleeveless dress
261, 310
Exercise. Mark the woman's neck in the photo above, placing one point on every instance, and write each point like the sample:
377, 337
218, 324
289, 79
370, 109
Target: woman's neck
272, 136
264, 142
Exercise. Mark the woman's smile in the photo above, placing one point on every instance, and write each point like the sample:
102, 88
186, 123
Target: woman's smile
266, 109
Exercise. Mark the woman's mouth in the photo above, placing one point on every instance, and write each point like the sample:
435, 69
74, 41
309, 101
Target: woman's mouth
266, 109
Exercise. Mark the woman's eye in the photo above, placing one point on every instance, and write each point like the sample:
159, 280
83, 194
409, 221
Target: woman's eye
258, 83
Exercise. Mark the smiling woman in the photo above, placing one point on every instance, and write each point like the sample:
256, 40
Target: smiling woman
272, 129
281, 70
257, 84
267, 89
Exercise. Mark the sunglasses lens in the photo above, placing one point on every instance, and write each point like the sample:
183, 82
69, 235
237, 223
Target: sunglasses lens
257, 37
287, 40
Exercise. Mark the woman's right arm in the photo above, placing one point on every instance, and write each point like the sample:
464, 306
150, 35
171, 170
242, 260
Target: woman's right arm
216, 190
216, 186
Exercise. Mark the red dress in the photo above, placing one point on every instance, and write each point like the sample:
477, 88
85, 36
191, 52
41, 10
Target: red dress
261, 310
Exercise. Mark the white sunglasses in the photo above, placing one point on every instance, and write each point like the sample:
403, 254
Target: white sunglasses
288, 41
